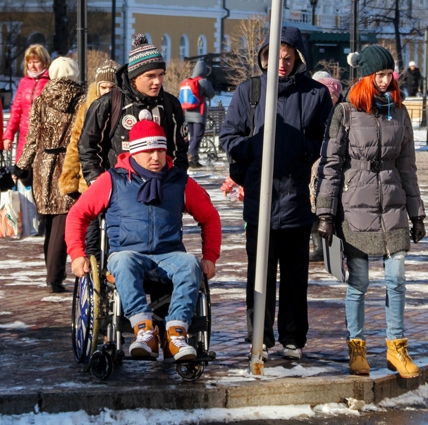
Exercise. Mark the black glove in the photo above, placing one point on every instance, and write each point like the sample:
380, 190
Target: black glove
326, 228
19, 172
418, 229
74, 195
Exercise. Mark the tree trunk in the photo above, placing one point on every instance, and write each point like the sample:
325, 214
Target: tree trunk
398, 46
60, 38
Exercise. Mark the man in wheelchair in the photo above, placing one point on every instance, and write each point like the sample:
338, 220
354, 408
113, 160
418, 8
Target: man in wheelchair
144, 198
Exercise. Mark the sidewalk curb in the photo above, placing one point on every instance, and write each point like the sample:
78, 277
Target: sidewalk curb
283, 391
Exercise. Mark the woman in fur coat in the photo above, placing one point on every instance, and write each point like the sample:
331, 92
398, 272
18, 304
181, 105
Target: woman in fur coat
51, 121
71, 181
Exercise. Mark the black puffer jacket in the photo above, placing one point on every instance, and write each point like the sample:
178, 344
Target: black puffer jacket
97, 153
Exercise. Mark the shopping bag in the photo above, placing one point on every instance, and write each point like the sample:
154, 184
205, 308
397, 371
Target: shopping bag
10, 215
6, 181
28, 210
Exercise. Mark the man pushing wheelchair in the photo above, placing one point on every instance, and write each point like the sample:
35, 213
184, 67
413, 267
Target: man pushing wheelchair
144, 198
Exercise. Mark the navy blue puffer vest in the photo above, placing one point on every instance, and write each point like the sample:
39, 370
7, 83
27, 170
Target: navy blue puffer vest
147, 229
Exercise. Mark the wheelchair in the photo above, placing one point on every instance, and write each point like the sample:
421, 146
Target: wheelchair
98, 323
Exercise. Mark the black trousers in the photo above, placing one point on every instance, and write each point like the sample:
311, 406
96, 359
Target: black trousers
289, 248
55, 249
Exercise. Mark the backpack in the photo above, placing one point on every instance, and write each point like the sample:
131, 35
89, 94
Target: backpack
190, 96
238, 170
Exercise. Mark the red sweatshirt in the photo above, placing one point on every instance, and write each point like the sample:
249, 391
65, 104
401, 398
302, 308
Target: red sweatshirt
96, 200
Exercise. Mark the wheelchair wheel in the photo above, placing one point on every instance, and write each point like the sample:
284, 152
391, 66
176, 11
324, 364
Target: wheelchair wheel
190, 371
85, 313
101, 364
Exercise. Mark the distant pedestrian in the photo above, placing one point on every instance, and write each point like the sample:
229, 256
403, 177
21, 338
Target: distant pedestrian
367, 191
196, 117
412, 79
36, 64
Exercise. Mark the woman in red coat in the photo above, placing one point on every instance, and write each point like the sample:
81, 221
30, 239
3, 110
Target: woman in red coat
36, 64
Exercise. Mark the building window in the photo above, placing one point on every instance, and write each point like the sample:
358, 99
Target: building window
149, 38
202, 45
184, 47
166, 47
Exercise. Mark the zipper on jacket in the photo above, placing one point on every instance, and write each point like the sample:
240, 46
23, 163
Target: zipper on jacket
382, 221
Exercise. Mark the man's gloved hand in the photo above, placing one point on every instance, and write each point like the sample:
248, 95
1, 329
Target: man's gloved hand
326, 227
418, 229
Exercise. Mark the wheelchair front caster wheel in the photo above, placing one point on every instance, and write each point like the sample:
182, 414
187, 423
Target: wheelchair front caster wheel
190, 371
101, 364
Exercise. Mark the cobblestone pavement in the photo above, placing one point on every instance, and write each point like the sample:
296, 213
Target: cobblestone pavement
35, 349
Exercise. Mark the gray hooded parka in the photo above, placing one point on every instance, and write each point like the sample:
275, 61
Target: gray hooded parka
368, 180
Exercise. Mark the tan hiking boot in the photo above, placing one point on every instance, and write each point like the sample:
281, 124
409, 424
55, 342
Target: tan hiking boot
357, 357
175, 345
146, 342
398, 358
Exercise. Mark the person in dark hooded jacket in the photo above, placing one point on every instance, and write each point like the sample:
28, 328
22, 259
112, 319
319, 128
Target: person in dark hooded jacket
197, 118
303, 108
140, 82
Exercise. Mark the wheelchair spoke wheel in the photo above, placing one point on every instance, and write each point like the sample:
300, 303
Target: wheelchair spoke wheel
190, 371
82, 314
85, 313
101, 364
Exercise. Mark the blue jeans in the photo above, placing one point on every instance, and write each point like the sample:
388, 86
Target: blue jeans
184, 270
358, 282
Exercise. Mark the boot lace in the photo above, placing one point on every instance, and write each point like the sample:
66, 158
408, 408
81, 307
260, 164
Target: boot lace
358, 351
402, 353
146, 336
179, 341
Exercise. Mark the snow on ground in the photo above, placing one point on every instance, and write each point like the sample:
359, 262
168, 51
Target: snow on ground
353, 407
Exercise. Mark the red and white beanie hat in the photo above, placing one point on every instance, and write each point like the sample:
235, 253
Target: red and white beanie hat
146, 135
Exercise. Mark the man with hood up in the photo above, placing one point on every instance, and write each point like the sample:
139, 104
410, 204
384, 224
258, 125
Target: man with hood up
197, 118
143, 97
303, 108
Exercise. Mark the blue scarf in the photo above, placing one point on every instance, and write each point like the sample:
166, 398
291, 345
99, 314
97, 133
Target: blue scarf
151, 190
384, 102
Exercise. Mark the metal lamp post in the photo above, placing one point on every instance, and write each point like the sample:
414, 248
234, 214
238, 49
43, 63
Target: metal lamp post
314, 5
113, 30
354, 37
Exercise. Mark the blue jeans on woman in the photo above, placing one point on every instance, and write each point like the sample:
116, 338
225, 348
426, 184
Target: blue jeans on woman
358, 282
184, 270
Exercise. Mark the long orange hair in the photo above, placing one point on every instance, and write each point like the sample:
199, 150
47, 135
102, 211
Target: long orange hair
362, 93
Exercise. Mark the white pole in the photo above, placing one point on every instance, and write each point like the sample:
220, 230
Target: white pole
256, 363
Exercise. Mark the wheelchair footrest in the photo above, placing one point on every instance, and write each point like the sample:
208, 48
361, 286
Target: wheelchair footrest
142, 358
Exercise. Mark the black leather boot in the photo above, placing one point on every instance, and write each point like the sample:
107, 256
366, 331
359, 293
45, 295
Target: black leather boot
56, 287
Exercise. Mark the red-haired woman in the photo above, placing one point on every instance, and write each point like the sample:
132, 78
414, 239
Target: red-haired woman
367, 190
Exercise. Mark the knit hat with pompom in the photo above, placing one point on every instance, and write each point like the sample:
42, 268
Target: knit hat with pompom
146, 135
143, 57
372, 59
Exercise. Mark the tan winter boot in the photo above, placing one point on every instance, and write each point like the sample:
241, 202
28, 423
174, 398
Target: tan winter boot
146, 342
175, 346
398, 358
357, 357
